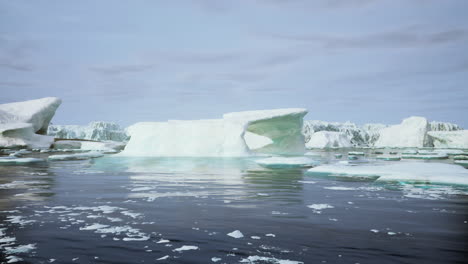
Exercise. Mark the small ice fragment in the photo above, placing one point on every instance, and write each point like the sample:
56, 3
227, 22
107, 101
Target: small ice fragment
391, 233
374, 230
270, 235
215, 259
184, 248
163, 241
163, 258
255, 237
236, 234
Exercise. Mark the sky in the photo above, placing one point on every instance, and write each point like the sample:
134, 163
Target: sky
365, 61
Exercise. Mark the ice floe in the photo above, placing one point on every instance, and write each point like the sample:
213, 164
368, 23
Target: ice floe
236, 234
287, 162
185, 248
403, 171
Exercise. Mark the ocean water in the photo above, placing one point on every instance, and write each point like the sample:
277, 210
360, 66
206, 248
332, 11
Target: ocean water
182, 210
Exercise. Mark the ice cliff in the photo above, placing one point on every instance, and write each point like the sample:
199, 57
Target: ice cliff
99, 131
269, 131
24, 124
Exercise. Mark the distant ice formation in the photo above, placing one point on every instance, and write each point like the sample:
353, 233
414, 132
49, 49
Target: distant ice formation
279, 129
97, 130
24, 124
412, 132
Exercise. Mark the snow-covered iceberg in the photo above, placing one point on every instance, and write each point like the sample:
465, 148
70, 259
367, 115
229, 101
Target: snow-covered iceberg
24, 124
220, 137
98, 130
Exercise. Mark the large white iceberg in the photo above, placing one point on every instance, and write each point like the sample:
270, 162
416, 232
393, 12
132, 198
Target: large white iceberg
25, 123
98, 130
449, 139
412, 132
220, 137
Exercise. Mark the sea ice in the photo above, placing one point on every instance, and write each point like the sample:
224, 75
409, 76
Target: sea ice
77, 156
184, 248
401, 171
287, 162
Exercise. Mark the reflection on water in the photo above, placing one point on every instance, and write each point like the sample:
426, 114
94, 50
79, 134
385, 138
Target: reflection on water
132, 210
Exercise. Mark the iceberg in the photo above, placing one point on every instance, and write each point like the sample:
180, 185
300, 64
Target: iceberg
401, 171
98, 131
412, 132
24, 124
449, 139
224, 137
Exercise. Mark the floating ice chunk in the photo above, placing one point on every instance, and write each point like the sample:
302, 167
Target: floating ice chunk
340, 188
77, 156
319, 207
463, 163
450, 151
425, 156
258, 259
356, 153
20, 249
19, 161
461, 157
236, 234
410, 152
13, 259
93, 227
374, 230
388, 158
270, 235
404, 171
215, 259
185, 248
163, 258
255, 237
142, 238
163, 241
287, 162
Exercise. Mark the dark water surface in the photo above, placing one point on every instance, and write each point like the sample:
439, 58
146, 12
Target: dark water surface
116, 210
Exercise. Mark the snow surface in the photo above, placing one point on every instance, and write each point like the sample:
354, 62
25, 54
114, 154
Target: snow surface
97, 130
220, 137
402, 171
24, 123
282, 162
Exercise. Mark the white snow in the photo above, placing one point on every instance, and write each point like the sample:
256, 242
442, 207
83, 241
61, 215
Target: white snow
219, 137
412, 132
77, 156
25, 123
275, 162
236, 234
402, 171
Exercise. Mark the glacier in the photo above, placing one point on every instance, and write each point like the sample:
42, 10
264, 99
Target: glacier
24, 124
97, 130
220, 137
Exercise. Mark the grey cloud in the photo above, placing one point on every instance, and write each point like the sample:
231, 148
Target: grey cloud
407, 37
122, 69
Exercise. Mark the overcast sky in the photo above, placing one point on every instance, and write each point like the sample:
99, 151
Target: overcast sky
129, 61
